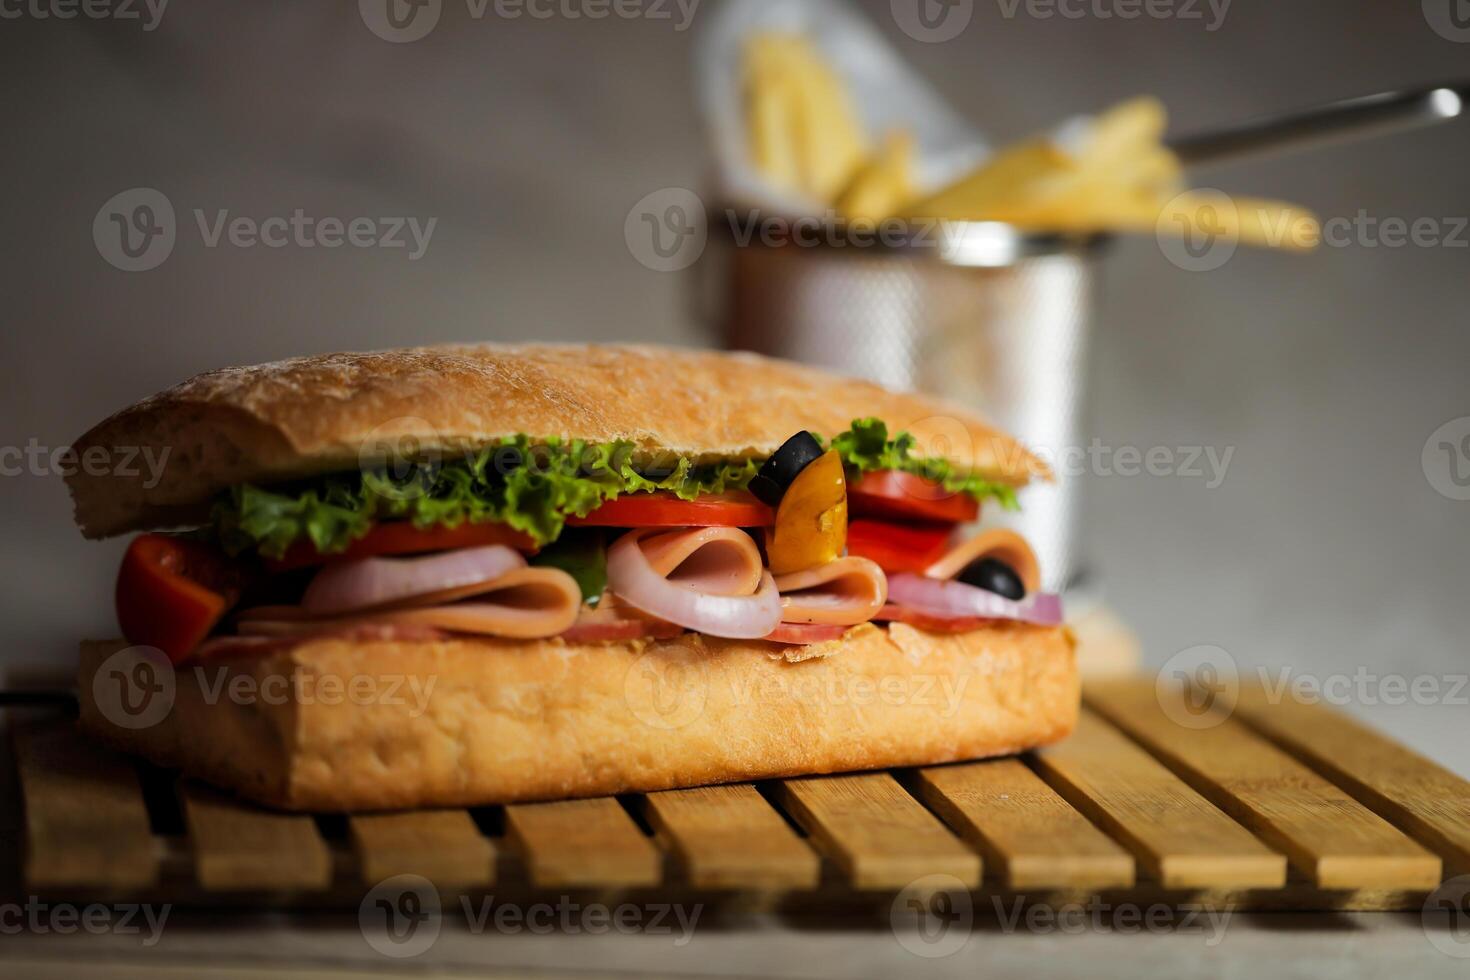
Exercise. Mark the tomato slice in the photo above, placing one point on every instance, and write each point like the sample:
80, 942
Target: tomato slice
172, 591
402, 538
803, 633
893, 494
898, 547
738, 508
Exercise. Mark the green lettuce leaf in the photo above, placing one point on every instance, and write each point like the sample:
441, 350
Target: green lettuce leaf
865, 446
531, 485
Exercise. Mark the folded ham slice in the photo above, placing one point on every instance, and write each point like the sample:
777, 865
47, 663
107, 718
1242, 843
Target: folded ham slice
718, 560
844, 592
709, 579
355, 631
937, 601
1000, 543
524, 603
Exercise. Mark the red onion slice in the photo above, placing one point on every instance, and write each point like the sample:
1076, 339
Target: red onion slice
945, 598
737, 617
370, 583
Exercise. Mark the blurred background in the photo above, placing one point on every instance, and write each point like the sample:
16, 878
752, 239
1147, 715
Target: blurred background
1326, 549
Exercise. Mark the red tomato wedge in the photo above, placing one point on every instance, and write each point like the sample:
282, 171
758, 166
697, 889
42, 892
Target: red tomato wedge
172, 591
801, 634
738, 508
895, 495
898, 547
402, 538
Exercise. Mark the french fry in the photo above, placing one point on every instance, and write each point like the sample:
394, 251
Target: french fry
1247, 220
833, 141
1024, 173
770, 124
1124, 147
1155, 169
804, 132
884, 184
1127, 129
1119, 165
1112, 173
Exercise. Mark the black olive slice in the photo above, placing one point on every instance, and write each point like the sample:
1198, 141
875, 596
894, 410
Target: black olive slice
776, 473
993, 575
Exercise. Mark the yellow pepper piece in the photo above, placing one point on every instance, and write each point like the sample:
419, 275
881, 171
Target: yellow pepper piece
811, 520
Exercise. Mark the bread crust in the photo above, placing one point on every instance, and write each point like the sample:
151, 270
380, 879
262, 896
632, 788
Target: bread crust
509, 721
312, 415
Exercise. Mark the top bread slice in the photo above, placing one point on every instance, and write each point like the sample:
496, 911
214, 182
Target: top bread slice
313, 415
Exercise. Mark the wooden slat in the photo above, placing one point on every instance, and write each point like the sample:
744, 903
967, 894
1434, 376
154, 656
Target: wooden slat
1179, 837
444, 846
86, 822
583, 844
875, 832
1334, 840
1423, 799
729, 837
239, 847
1031, 838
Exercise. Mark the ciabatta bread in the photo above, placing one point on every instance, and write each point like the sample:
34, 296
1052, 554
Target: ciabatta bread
313, 415
466, 722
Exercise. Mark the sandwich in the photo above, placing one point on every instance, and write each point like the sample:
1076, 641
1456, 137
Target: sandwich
455, 576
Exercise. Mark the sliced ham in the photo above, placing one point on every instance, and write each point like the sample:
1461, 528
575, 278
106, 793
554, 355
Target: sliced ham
844, 592
525, 603
622, 629
615, 620
717, 560
359, 632
932, 621
612, 619
709, 579
1000, 543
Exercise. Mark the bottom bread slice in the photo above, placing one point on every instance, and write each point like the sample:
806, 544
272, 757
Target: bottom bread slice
336, 724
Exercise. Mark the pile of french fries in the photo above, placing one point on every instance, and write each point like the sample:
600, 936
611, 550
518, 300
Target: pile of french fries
1113, 175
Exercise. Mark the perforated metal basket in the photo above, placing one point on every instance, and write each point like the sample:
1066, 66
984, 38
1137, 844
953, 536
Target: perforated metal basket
981, 314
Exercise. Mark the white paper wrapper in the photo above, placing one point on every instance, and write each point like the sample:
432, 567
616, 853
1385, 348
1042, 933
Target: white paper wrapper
885, 91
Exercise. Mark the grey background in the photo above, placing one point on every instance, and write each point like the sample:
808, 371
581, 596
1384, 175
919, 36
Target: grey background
1325, 549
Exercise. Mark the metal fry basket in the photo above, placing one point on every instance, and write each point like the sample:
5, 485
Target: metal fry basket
979, 313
